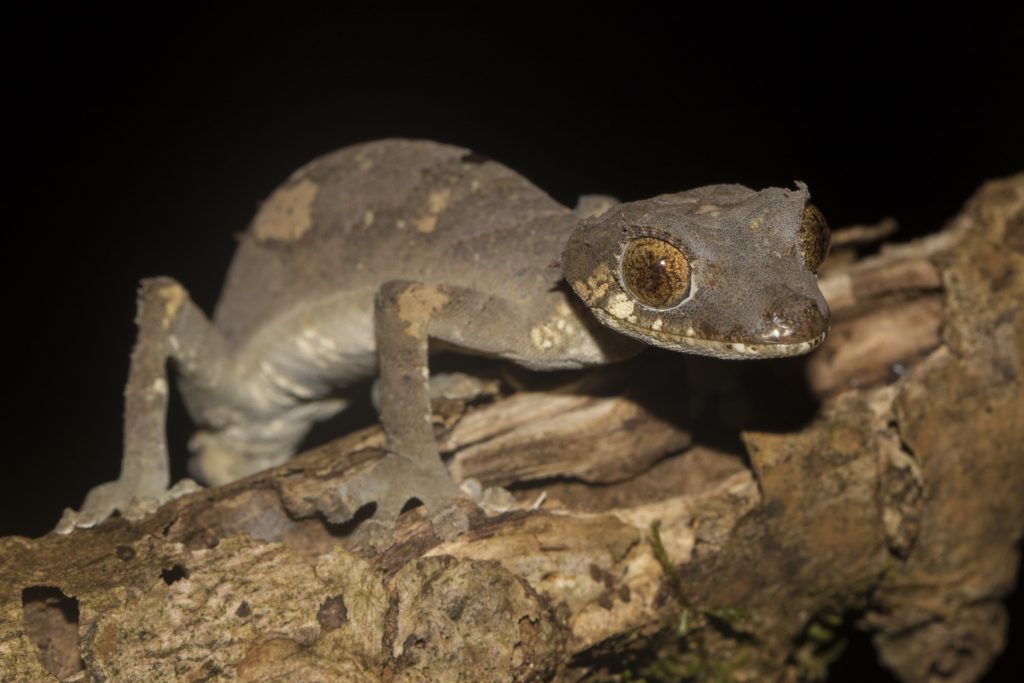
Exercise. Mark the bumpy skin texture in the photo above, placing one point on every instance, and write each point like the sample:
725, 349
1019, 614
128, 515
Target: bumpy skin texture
363, 255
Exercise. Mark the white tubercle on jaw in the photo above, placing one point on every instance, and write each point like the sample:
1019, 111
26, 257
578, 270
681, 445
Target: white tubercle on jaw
712, 347
742, 350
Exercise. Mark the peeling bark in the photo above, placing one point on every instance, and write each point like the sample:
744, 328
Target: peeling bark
698, 518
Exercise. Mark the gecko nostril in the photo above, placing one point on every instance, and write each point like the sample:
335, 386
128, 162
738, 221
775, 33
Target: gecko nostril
793, 320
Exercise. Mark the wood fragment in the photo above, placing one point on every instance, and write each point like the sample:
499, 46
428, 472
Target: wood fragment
864, 234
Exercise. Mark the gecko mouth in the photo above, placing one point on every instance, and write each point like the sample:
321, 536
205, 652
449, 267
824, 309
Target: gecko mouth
713, 347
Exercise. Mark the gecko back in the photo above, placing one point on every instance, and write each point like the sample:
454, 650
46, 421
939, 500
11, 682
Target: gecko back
389, 209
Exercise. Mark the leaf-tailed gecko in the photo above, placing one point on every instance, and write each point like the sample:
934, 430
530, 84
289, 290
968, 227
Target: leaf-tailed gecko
365, 254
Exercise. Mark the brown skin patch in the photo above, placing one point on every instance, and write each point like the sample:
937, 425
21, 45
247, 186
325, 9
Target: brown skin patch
174, 296
416, 304
815, 237
288, 214
436, 203
596, 285
656, 272
426, 224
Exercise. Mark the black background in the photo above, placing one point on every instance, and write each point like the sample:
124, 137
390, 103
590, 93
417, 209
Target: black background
138, 144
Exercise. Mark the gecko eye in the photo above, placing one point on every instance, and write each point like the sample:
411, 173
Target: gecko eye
655, 272
815, 237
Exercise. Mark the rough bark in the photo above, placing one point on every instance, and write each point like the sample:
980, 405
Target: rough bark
670, 517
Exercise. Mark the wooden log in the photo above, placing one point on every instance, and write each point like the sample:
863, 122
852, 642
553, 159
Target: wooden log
876, 483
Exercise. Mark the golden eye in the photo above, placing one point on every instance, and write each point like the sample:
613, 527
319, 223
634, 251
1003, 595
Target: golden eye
815, 237
655, 272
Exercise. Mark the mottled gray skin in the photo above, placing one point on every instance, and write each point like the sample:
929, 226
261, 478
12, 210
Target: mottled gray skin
363, 255
751, 293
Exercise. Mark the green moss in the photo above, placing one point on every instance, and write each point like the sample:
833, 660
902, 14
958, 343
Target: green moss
684, 651
819, 645
685, 655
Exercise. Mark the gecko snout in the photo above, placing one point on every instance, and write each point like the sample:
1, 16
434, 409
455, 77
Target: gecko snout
793, 320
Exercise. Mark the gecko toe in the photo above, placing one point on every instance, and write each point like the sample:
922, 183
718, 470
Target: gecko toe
390, 484
117, 496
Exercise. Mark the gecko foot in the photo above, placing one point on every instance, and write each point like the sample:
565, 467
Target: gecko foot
101, 502
391, 483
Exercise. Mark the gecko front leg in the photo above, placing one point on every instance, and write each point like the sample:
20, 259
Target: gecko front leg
406, 315
542, 333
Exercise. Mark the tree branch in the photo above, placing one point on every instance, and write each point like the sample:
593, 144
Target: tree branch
670, 517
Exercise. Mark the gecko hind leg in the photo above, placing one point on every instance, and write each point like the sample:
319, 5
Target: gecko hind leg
170, 326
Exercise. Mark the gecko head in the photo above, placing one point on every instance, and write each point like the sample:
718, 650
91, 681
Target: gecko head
721, 270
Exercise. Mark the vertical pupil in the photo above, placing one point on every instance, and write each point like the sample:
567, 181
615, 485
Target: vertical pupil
656, 272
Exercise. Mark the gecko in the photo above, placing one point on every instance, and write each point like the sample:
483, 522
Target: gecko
366, 259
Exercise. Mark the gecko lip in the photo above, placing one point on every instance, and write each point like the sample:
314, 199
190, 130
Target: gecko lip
711, 347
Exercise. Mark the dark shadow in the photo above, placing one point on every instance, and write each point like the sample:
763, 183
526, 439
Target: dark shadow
174, 574
411, 504
359, 414
1009, 666
858, 661
348, 527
